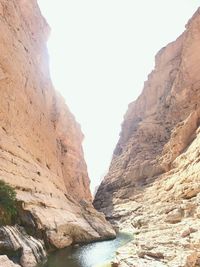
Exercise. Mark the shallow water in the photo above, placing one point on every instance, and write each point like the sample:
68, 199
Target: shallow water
89, 255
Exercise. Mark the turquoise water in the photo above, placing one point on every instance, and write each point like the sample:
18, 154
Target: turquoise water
88, 255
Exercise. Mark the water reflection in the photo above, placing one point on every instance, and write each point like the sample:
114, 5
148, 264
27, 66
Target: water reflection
87, 255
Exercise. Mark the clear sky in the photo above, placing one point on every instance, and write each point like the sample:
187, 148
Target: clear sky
101, 52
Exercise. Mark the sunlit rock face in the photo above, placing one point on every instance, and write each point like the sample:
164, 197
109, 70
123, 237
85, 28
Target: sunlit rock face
5, 262
153, 184
40, 142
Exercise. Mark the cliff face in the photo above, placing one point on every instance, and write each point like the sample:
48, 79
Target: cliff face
40, 142
154, 176
31, 112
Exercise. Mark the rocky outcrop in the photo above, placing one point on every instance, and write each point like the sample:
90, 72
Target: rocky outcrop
41, 155
152, 186
15, 239
5, 262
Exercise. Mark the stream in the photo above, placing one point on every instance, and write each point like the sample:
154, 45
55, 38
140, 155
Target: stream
89, 255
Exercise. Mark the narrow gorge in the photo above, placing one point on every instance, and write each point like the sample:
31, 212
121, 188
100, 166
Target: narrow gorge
152, 189
153, 184
41, 155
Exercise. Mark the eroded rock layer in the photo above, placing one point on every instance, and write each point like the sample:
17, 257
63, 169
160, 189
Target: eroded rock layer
40, 142
14, 239
153, 184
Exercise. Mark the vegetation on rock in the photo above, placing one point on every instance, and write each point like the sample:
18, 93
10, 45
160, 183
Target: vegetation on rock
8, 208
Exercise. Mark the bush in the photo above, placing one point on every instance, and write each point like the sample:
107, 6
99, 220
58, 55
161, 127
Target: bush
7, 203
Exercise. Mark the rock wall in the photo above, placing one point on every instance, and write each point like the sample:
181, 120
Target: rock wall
40, 142
153, 182
31, 112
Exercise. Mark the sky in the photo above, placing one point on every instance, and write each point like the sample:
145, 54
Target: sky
101, 52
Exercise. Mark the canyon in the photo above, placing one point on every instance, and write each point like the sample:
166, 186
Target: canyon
152, 188
41, 155
153, 184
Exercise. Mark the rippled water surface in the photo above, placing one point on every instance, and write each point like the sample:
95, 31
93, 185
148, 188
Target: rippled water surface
89, 255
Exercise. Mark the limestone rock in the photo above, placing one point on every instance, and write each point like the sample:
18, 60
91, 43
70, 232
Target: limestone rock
59, 241
188, 231
14, 238
41, 154
156, 163
174, 216
5, 262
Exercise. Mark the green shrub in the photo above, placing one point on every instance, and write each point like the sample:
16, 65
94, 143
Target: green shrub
8, 208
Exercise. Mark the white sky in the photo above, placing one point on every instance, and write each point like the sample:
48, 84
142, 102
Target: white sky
101, 52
